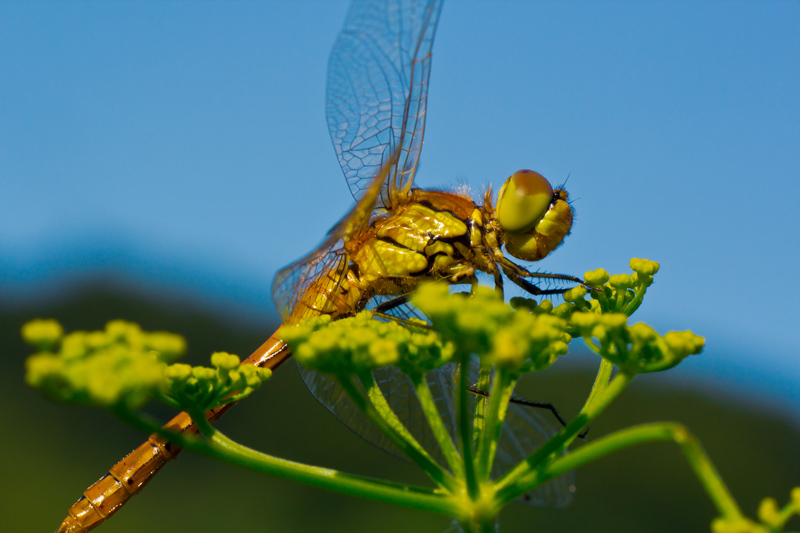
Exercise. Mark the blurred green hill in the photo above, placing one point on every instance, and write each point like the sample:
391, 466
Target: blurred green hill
51, 452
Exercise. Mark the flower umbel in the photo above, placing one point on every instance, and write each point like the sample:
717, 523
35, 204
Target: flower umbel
634, 349
123, 367
201, 388
352, 345
527, 339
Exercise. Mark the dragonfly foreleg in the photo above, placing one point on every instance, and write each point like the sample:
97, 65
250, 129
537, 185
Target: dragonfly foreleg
530, 287
517, 274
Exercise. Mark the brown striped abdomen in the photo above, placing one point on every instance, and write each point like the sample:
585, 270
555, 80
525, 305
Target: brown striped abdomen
127, 477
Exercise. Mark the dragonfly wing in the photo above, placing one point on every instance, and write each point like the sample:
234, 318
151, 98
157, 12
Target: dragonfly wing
322, 270
377, 90
318, 273
524, 430
399, 393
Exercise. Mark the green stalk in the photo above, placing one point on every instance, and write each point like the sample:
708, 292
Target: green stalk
218, 446
382, 416
601, 382
437, 426
785, 514
464, 429
499, 396
634, 304
626, 438
484, 381
563, 438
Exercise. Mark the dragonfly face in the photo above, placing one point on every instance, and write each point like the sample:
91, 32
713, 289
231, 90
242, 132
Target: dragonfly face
396, 236
534, 217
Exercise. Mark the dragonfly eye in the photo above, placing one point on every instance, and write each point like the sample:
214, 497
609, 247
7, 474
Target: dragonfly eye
523, 201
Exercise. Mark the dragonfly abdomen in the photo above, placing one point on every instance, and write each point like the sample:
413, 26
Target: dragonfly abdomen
129, 476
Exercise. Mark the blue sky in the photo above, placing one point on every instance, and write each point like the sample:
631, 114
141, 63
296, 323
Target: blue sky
185, 143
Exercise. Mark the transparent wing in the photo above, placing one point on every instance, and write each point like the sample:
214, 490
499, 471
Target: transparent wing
377, 90
309, 287
297, 288
524, 430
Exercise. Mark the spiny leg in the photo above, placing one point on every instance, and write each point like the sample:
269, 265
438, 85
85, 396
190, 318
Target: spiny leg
517, 274
509, 266
530, 287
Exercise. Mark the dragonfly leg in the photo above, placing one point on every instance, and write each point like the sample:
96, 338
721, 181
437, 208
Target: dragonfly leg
388, 305
509, 266
517, 274
530, 287
532, 403
498, 282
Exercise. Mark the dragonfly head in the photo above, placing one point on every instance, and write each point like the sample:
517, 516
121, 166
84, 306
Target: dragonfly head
534, 217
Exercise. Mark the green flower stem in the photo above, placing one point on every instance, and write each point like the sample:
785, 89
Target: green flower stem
437, 426
601, 382
464, 430
665, 431
218, 446
384, 410
508, 486
484, 381
499, 396
394, 429
634, 304
486, 525
786, 514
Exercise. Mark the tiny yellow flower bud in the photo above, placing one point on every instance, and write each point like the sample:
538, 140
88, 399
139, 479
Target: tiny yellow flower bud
202, 373
118, 330
585, 320
684, 342
644, 267
621, 281
545, 306
96, 340
596, 278
643, 332
42, 333
224, 360
574, 294
768, 512
178, 371
795, 496
614, 320
563, 310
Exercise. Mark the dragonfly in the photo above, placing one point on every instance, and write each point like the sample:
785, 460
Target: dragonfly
394, 238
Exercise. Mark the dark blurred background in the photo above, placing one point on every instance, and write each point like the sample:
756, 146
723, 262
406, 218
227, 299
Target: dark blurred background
160, 161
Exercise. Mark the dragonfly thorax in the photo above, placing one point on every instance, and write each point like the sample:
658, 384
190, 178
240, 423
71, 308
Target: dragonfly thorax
432, 235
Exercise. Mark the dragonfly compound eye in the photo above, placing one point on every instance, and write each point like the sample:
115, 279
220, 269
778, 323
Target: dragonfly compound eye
523, 201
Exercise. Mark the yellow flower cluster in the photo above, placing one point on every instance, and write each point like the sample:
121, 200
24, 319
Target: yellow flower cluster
120, 365
361, 343
522, 340
124, 367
